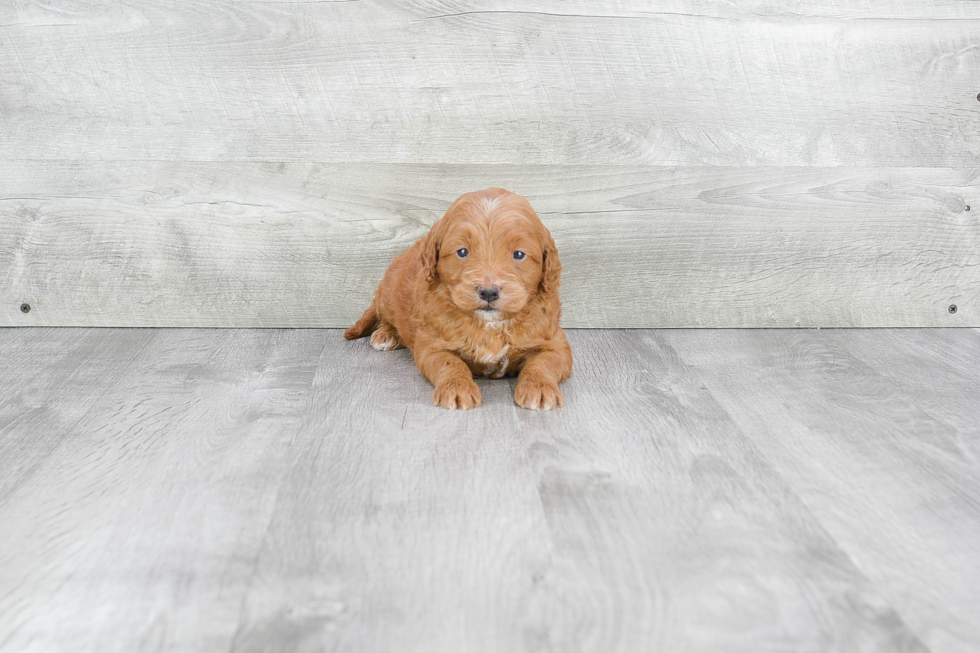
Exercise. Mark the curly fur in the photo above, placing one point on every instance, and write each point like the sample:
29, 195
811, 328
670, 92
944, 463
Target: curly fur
429, 302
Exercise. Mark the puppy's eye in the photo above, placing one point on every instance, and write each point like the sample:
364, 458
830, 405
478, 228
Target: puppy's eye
462, 252
519, 255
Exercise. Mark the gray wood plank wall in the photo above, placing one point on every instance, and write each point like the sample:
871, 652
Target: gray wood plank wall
699, 163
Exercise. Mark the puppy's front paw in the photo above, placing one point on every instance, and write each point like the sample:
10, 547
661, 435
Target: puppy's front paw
538, 395
457, 393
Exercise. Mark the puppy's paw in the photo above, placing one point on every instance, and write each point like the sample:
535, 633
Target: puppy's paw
538, 395
385, 338
457, 393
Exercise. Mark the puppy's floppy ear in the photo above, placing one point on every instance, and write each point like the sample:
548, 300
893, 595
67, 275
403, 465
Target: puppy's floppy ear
430, 250
551, 265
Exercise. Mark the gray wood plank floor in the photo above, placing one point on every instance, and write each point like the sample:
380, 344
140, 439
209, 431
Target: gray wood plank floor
285, 490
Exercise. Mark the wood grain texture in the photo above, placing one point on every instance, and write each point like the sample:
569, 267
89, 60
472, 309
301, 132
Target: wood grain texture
290, 491
598, 528
143, 537
250, 244
49, 385
546, 82
700, 163
856, 423
654, 488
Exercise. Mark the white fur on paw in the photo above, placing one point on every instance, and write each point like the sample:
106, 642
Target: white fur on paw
383, 345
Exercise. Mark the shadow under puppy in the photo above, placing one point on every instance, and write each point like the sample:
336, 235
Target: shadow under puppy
477, 295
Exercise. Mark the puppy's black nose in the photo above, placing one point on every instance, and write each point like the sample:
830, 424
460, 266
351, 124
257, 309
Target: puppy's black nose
488, 295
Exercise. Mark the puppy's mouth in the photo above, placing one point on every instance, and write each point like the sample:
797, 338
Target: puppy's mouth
488, 313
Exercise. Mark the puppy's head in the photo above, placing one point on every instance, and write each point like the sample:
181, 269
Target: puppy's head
491, 254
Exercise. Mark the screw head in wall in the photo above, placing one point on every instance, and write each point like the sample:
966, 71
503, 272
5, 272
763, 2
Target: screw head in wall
966, 208
952, 308
25, 308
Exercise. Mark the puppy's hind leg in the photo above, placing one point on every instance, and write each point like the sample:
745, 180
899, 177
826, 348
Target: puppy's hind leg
385, 338
364, 326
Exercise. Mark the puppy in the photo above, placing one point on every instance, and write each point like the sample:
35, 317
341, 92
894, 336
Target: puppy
477, 295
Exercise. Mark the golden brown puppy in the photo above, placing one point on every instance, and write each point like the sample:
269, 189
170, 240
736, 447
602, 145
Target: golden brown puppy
477, 295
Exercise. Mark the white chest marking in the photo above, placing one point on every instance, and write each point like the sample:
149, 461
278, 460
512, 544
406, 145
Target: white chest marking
496, 364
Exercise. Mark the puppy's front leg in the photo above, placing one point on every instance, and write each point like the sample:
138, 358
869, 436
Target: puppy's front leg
537, 384
451, 377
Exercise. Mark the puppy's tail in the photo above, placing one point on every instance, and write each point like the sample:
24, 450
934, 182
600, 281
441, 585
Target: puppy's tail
364, 326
